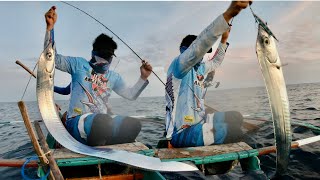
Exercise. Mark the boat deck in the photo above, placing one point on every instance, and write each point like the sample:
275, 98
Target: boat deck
198, 155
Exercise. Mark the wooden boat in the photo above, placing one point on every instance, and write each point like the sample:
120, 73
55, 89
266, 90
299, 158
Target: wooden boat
216, 159
65, 164
70, 165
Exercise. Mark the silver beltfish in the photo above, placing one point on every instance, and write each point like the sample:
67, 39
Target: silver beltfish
271, 68
45, 76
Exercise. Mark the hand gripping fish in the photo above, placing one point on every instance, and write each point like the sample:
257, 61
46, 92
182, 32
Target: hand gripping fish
45, 76
271, 68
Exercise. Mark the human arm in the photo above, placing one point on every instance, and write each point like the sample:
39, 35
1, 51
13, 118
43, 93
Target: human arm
199, 47
62, 90
131, 93
219, 55
63, 63
206, 39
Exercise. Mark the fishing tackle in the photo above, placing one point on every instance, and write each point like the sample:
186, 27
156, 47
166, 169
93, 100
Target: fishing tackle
262, 24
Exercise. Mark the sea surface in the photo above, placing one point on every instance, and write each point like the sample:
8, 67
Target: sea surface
251, 102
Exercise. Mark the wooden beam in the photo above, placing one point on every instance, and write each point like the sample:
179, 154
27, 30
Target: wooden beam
17, 163
43, 159
26, 68
52, 163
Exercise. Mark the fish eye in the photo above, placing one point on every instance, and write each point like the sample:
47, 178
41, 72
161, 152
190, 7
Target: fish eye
266, 41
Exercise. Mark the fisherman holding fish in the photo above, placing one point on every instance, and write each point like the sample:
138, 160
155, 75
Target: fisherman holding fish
187, 123
92, 83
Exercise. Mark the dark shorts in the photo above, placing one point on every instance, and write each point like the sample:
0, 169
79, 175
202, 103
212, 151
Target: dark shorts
103, 129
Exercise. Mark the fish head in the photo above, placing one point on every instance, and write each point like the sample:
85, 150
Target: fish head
266, 47
49, 58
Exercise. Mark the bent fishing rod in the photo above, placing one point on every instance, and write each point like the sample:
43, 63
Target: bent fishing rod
143, 61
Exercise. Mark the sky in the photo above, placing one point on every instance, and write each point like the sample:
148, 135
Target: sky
154, 31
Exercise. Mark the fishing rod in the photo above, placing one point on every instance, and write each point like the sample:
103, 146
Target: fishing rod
143, 61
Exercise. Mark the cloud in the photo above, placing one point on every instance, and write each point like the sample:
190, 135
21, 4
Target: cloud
300, 41
294, 12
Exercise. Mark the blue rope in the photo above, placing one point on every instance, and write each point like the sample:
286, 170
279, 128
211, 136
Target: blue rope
24, 165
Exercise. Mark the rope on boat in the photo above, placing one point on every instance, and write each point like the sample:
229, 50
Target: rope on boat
25, 177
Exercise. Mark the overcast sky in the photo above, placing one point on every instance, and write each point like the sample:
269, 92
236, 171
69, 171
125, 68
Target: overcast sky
154, 30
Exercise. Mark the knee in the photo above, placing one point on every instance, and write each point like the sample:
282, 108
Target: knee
234, 117
137, 124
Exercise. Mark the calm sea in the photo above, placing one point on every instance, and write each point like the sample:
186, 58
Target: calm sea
251, 102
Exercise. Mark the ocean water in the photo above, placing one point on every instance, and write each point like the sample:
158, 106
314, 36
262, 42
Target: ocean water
251, 102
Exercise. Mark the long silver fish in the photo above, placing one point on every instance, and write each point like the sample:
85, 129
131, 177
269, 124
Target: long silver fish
271, 68
45, 76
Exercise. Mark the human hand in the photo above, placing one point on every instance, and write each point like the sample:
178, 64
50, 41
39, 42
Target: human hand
225, 36
51, 18
235, 8
145, 70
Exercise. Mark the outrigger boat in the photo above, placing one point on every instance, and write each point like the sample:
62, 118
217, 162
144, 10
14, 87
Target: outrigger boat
61, 163
65, 164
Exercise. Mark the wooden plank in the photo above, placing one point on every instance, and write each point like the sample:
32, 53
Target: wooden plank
64, 153
25, 116
32, 135
202, 151
52, 163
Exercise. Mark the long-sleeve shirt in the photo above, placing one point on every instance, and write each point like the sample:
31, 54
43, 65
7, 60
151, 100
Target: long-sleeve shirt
185, 77
90, 91
62, 90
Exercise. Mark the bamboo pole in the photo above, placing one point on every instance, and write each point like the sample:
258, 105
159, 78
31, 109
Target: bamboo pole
273, 149
295, 144
17, 163
26, 68
52, 163
43, 159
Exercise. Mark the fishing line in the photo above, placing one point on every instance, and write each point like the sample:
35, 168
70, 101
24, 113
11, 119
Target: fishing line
143, 62
25, 89
262, 24
31, 74
118, 37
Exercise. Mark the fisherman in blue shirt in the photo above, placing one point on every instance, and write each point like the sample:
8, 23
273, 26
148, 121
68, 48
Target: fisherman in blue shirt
92, 83
187, 123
